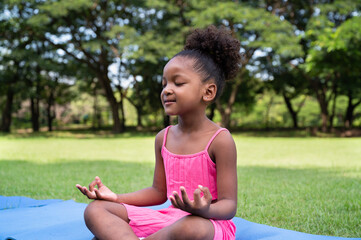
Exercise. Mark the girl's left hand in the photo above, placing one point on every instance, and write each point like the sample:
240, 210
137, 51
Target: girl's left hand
199, 206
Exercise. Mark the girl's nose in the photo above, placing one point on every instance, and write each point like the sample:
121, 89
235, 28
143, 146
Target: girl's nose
167, 90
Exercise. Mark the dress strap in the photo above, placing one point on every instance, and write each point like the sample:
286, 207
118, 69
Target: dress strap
214, 136
165, 136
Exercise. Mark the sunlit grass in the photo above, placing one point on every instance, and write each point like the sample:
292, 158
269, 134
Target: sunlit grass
300, 183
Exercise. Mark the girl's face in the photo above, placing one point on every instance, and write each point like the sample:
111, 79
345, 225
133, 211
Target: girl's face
182, 87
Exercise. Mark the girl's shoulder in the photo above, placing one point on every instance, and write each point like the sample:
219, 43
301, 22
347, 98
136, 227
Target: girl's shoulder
223, 141
159, 138
224, 136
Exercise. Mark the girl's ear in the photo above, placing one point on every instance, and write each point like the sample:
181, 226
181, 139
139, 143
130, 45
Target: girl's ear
210, 91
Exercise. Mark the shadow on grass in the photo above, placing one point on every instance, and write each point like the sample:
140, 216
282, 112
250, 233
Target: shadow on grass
317, 201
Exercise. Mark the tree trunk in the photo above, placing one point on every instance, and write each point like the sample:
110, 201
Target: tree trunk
50, 113
268, 110
7, 111
322, 101
333, 110
34, 106
49, 117
324, 115
114, 106
139, 110
225, 117
349, 115
35, 102
139, 117
121, 105
95, 122
291, 111
227, 110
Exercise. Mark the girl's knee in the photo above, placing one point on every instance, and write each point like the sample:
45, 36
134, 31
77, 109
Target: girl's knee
99, 208
91, 210
192, 228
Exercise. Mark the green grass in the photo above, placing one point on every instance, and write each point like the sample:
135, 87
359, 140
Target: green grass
303, 183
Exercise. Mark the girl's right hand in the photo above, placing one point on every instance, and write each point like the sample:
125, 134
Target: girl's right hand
100, 193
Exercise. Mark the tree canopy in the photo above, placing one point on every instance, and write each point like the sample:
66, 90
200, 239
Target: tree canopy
117, 49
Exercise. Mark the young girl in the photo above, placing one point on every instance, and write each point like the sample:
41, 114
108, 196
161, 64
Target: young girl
195, 165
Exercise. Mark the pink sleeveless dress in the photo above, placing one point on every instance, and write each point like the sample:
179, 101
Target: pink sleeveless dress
181, 170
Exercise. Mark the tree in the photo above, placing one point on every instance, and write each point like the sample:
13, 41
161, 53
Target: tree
161, 33
288, 80
88, 83
56, 86
290, 84
258, 31
8, 80
323, 65
315, 22
344, 46
14, 38
92, 32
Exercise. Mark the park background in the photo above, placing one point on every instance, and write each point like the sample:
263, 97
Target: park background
79, 97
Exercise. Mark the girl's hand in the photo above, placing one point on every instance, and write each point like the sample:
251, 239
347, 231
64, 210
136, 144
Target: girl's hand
102, 193
199, 206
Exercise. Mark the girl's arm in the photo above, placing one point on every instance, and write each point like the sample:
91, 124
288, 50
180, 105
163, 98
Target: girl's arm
223, 150
225, 154
154, 195
157, 193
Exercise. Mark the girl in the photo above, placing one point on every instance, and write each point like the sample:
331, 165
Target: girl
195, 160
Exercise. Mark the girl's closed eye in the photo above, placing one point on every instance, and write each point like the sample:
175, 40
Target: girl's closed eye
178, 84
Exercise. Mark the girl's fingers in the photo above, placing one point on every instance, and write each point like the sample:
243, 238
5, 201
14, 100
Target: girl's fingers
86, 192
206, 193
92, 185
173, 201
185, 198
83, 190
89, 194
80, 188
178, 200
99, 182
197, 196
97, 194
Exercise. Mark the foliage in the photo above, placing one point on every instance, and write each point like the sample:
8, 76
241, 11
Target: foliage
116, 50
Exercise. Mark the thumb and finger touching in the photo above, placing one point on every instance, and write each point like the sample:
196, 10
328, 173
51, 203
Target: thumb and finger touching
98, 194
99, 182
93, 192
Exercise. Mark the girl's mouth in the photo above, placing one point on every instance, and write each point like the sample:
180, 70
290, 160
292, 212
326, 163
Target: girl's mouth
168, 102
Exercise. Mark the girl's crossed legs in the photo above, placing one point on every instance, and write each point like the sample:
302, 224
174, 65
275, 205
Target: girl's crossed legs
109, 220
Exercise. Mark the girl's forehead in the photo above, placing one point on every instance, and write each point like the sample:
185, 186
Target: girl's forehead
180, 63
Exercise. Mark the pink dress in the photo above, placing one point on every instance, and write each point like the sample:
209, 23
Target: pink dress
181, 170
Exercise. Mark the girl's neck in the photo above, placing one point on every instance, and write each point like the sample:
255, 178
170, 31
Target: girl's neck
192, 123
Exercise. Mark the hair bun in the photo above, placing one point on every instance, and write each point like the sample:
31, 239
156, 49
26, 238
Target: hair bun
219, 44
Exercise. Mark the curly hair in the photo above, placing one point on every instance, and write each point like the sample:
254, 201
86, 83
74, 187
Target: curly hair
216, 54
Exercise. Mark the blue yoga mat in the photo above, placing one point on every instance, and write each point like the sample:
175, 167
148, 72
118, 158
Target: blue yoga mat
23, 218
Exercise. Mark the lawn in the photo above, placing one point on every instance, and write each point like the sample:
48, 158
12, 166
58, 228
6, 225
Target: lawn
306, 184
